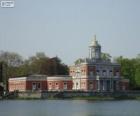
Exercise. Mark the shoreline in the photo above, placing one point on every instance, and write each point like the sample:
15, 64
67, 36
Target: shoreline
72, 95
96, 98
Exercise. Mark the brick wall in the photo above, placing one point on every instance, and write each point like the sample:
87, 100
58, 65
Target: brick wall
17, 85
59, 85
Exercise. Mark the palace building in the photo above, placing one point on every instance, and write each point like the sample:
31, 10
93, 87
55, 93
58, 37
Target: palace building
97, 73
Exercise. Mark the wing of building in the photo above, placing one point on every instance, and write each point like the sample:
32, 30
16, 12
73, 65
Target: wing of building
40, 83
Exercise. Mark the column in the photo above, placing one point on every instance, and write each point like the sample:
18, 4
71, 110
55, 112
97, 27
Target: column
98, 85
110, 84
104, 85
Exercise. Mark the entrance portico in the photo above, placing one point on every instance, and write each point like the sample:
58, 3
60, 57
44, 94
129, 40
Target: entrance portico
107, 85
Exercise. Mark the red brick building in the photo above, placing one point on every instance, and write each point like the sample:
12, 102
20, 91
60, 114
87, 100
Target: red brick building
97, 72
40, 83
59, 83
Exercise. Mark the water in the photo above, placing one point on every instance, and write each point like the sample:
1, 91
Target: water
69, 108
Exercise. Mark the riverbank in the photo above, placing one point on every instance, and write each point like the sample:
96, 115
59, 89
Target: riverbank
94, 98
74, 95
99, 98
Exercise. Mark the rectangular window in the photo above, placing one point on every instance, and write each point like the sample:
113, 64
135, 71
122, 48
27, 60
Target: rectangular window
38, 86
90, 83
97, 72
110, 73
104, 73
65, 83
91, 73
65, 86
34, 86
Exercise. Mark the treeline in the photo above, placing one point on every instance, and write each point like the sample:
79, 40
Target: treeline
130, 69
14, 65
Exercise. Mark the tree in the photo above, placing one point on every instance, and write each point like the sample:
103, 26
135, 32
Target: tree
9, 62
128, 69
137, 75
79, 61
3, 75
137, 71
36, 63
40, 64
11, 58
59, 67
40, 55
106, 56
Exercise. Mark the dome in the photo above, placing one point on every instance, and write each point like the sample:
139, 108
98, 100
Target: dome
94, 42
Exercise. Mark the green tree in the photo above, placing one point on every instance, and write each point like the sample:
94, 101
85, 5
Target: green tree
10, 61
127, 69
40, 64
106, 56
79, 60
137, 71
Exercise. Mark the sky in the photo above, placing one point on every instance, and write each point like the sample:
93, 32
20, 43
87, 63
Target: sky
65, 28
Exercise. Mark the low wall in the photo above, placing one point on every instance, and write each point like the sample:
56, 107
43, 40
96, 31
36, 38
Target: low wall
29, 94
70, 94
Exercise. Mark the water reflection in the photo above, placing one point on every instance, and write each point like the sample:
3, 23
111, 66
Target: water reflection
69, 108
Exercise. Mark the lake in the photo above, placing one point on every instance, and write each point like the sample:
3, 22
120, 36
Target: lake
69, 108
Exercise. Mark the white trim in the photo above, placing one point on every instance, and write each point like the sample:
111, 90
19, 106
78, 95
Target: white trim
41, 78
17, 78
59, 78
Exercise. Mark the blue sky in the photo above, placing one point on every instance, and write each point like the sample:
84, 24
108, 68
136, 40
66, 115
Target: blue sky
66, 27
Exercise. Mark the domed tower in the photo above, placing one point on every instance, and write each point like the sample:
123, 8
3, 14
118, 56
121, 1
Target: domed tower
94, 49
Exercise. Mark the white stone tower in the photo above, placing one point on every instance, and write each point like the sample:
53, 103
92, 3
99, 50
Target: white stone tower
94, 49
